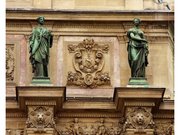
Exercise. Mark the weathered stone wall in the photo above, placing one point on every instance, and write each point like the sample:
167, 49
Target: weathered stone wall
106, 107
113, 34
37, 113
91, 4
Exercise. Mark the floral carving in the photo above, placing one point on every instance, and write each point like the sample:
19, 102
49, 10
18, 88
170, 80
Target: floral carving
10, 63
164, 127
139, 118
40, 117
88, 63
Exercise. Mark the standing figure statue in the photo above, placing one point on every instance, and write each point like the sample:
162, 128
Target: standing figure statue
137, 50
40, 41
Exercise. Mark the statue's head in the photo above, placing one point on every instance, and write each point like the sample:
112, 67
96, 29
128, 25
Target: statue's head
136, 21
41, 20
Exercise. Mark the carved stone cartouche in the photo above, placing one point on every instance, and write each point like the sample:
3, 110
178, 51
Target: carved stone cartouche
88, 63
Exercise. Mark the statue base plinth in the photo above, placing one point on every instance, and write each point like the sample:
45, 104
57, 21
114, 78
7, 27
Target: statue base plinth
138, 82
41, 81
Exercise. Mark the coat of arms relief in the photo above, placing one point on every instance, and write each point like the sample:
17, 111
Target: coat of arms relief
88, 63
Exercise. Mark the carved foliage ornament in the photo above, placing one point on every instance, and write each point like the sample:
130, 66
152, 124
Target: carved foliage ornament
164, 127
100, 127
40, 117
88, 62
139, 118
10, 62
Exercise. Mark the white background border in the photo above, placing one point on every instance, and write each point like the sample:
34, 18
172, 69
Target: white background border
177, 67
2, 67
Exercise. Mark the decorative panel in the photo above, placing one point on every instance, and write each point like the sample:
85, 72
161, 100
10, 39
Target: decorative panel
10, 63
15, 63
88, 62
40, 117
85, 126
164, 127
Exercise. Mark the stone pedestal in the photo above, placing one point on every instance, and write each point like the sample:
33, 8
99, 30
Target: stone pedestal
41, 81
40, 95
138, 96
137, 105
138, 82
41, 103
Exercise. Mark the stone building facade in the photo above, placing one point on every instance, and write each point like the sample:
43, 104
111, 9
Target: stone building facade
104, 104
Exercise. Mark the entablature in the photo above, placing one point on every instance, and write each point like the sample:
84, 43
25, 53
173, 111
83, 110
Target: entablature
83, 15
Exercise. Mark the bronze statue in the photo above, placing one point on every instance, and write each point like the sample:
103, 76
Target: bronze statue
40, 41
137, 50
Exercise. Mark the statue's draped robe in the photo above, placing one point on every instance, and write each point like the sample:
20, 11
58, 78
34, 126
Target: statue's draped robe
40, 42
137, 53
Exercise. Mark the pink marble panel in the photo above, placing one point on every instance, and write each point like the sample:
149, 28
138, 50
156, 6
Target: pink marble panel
20, 43
23, 77
60, 59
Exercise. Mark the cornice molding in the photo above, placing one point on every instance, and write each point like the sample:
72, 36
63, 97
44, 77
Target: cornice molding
32, 14
135, 103
163, 116
152, 31
43, 103
85, 11
16, 115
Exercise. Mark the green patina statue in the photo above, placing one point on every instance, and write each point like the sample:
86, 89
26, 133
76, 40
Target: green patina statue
137, 50
40, 41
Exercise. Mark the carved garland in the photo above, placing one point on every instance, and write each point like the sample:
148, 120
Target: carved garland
10, 63
164, 127
88, 63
